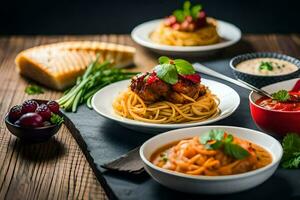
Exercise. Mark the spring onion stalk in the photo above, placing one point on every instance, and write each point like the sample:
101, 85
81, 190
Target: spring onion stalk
96, 76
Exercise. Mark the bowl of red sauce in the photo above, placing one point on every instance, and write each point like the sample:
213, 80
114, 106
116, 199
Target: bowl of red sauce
277, 117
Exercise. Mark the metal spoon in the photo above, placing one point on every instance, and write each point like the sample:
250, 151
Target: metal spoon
204, 70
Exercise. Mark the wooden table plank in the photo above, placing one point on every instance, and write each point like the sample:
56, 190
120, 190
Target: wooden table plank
58, 169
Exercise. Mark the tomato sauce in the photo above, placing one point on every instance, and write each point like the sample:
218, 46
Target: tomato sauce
271, 104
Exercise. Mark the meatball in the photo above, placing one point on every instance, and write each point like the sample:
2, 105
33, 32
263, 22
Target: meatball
186, 87
149, 87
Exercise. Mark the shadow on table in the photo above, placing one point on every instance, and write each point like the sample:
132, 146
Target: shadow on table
51, 149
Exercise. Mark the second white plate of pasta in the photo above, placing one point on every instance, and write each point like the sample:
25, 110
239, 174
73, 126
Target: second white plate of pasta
229, 35
103, 100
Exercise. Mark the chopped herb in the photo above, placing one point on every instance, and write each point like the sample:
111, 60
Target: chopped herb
291, 151
266, 66
164, 157
281, 95
56, 119
225, 142
34, 89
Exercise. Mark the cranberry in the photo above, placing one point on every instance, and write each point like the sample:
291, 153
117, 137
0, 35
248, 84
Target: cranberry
29, 106
53, 106
44, 111
31, 120
15, 113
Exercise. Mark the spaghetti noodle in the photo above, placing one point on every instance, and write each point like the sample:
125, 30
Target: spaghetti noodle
203, 36
199, 108
189, 156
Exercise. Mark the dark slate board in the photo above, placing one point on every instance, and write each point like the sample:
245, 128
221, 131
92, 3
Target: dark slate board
103, 140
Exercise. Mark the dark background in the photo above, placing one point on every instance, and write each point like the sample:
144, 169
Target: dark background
120, 16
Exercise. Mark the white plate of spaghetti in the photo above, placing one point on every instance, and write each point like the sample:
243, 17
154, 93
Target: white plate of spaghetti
229, 35
187, 31
162, 100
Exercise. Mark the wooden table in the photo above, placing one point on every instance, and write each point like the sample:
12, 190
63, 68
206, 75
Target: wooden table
58, 169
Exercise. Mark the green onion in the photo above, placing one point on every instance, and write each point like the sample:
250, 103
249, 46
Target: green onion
96, 76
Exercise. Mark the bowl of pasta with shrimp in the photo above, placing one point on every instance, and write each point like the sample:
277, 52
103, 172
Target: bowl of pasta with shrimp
171, 95
211, 159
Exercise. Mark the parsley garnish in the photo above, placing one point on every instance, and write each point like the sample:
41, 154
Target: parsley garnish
56, 119
266, 66
187, 10
220, 141
291, 151
281, 95
34, 89
168, 69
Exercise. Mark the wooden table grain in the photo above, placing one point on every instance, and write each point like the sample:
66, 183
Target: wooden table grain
58, 169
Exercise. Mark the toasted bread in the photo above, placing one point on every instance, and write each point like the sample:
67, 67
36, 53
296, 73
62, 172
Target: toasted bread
58, 65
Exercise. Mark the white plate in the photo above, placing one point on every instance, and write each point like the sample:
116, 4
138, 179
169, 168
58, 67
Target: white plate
211, 184
229, 32
103, 99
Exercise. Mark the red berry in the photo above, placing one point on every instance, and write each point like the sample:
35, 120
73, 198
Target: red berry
31, 120
44, 111
29, 106
15, 113
53, 106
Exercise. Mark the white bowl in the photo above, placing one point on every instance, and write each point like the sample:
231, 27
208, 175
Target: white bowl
211, 184
229, 32
103, 99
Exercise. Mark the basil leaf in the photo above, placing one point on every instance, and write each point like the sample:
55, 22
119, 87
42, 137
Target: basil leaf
235, 151
216, 134
179, 15
195, 10
281, 95
229, 138
167, 73
203, 139
186, 8
163, 60
213, 134
184, 67
186, 5
217, 145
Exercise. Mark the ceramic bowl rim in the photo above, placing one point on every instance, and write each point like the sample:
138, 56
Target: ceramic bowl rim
260, 55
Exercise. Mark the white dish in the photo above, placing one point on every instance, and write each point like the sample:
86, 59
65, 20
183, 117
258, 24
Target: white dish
103, 99
229, 32
211, 184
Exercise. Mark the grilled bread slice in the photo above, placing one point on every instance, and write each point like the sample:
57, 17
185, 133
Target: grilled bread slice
58, 65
